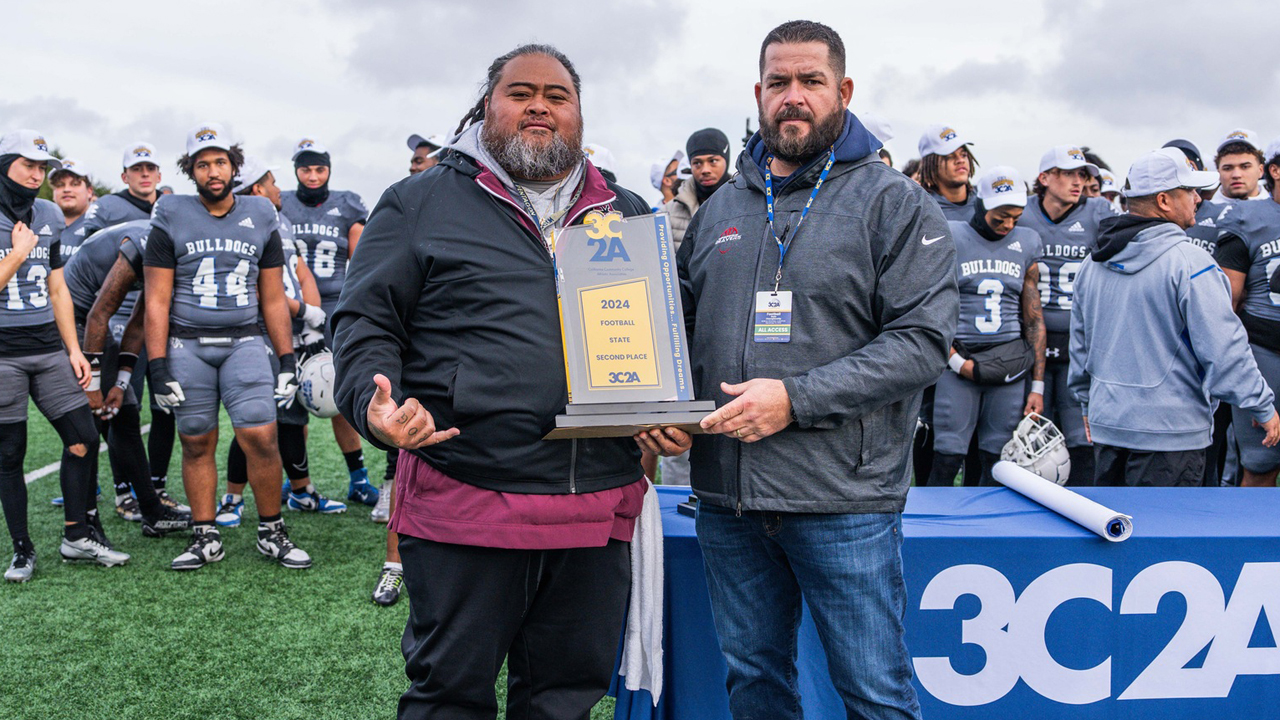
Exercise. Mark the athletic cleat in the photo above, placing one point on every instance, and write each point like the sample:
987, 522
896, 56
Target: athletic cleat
127, 508
361, 490
22, 566
313, 501
57, 502
205, 548
381, 512
285, 489
164, 498
90, 549
229, 512
170, 520
94, 521
390, 581
274, 542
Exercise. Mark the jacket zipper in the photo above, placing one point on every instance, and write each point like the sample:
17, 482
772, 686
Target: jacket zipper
746, 347
573, 466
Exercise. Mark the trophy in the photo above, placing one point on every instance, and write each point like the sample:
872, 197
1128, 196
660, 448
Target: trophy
625, 355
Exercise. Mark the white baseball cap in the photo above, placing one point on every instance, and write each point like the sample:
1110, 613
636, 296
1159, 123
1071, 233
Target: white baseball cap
1108, 181
658, 169
252, 171
1002, 186
1240, 135
600, 156
1166, 169
308, 144
1271, 153
1066, 157
73, 167
435, 141
138, 153
30, 145
940, 140
877, 126
207, 136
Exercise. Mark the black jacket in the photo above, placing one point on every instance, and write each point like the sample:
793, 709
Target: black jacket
452, 296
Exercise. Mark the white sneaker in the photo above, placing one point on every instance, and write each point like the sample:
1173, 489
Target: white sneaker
21, 567
205, 548
274, 542
381, 512
91, 550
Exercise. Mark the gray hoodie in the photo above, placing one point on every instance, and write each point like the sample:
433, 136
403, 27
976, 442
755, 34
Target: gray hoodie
1154, 340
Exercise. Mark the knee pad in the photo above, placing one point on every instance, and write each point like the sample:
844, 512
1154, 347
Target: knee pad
252, 412
76, 427
13, 444
293, 451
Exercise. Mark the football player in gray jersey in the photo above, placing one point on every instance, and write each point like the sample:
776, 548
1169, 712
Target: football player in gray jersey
329, 223
97, 287
214, 261
1068, 227
255, 179
1249, 254
947, 166
72, 192
1000, 339
35, 323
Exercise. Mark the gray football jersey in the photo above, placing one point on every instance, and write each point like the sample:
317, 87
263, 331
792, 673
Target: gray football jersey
215, 260
87, 270
323, 229
990, 275
73, 236
1066, 244
111, 210
1204, 233
1258, 225
956, 211
292, 288
25, 298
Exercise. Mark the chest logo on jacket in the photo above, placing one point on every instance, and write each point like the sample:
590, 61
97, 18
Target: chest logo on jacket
729, 235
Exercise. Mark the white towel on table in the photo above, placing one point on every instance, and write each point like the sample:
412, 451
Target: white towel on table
642, 647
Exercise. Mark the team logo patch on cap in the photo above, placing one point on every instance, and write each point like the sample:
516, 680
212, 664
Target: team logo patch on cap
1189, 163
206, 134
1075, 154
1002, 184
1238, 135
306, 144
947, 134
141, 152
40, 144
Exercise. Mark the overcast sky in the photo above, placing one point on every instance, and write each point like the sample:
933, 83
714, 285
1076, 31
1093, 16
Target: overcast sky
361, 75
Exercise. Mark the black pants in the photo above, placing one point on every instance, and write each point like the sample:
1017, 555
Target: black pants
1119, 467
554, 615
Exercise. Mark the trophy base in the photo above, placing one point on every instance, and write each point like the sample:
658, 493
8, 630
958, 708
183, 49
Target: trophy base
599, 420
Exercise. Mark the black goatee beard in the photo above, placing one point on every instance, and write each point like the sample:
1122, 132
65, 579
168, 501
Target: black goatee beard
796, 149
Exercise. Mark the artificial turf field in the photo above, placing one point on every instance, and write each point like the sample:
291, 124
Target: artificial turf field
242, 638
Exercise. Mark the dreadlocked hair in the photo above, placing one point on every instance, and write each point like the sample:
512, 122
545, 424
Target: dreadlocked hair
931, 165
476, 113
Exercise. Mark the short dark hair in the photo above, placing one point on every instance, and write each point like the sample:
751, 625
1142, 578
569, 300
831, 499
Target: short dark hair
53, 177
803, 31
1092, 157
912, 167
476, 113
1238, 148
187, 163
1267, 180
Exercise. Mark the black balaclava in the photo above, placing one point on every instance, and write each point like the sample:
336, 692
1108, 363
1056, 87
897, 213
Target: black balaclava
306, 194
16, 200
708, 141
979, 223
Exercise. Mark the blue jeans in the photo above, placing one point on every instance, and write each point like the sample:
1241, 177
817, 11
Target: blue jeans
848, 569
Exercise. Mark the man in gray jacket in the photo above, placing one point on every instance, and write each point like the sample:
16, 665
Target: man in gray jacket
820, 299
1147, 376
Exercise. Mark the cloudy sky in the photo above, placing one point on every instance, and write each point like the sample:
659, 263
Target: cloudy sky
1013, 77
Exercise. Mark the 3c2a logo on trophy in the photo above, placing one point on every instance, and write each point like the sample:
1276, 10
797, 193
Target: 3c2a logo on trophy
605, 237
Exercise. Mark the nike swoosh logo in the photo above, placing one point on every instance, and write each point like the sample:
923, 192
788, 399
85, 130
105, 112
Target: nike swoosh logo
926, 240
1011, 378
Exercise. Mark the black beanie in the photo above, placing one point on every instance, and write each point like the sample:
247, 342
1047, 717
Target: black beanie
307, 158
708, 141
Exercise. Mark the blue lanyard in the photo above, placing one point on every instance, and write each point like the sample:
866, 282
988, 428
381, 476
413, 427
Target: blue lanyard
788, 235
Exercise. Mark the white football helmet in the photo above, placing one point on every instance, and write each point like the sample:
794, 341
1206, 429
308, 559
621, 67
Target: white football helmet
315, 385
1038, 446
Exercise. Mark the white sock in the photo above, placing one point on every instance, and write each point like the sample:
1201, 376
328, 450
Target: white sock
392, 566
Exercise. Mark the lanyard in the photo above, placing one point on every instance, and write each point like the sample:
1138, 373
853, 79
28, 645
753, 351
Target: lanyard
788, 235
552, 219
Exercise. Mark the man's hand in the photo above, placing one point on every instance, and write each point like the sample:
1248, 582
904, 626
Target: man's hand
168, 393
1272, 427
408, 426
286, 381
24, 240
80, 365
312, 324
1035, 404
667, 442
111, 405
760, 409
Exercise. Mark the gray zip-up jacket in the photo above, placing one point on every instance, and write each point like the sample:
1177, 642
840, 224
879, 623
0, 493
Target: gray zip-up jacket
1154, 339
872, 270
